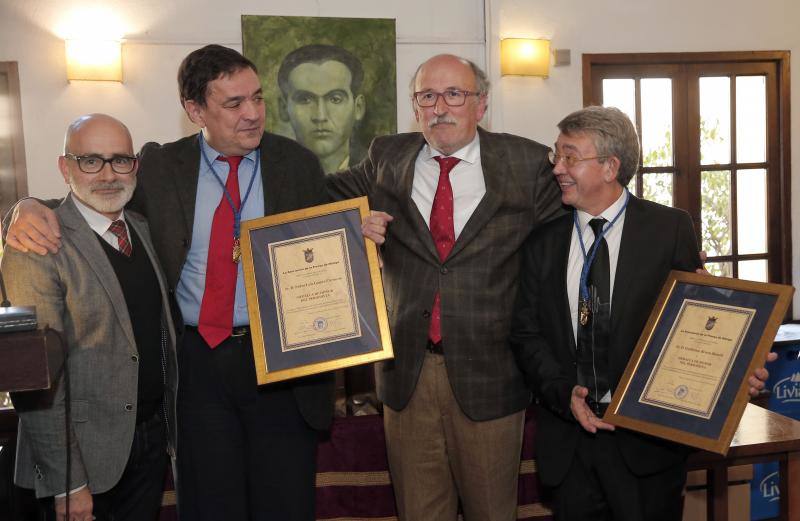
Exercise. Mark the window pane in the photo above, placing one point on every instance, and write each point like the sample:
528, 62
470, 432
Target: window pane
5, 401
720, 269
751, 119
657, 187
656, 121
753, 270
715, 188
621, 93
751, 201
715, 121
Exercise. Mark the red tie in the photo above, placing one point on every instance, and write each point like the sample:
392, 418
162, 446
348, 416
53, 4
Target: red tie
118, 228
216, 309
443, 232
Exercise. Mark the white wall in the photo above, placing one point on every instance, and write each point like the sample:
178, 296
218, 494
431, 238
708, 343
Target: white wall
160, 33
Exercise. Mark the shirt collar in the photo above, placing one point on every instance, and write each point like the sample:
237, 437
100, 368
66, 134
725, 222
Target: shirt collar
212, 154
98, 222
608, 214
469, 153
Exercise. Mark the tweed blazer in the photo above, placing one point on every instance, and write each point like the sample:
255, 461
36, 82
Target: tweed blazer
166, 193
76, 292
655, 239
477, 281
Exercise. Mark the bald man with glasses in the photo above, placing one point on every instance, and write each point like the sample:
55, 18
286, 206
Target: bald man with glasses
105, 293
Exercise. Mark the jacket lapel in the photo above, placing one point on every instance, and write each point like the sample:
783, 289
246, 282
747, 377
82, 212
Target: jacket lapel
405, 167
632, 235
86, 243
492, 160
144, 235
560, 253
273, 173
186, 172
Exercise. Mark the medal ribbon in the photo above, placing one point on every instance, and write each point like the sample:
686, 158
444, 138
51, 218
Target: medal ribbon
237, 212
587, 262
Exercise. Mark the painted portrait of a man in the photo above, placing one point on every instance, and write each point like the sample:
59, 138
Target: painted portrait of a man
329, 83
321, 99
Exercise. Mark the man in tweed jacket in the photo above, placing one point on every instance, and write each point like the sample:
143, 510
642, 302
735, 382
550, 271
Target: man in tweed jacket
454, 407
104, 291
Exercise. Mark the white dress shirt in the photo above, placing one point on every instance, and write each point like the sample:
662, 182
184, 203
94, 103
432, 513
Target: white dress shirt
613, 237
466, 178
100, 223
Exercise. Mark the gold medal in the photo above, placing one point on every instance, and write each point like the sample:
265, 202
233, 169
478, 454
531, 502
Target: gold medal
237, 250
583, 312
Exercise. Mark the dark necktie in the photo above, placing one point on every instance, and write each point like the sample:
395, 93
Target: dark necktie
592, 342
216, 309
118, 228
443, 232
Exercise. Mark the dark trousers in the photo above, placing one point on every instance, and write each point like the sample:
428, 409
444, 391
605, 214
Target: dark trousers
600, 487
245, 453
137, 495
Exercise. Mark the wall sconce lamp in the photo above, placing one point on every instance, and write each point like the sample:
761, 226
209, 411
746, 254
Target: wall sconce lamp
94, 60
524, 57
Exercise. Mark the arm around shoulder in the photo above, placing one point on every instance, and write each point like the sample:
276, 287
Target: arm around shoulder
31, 225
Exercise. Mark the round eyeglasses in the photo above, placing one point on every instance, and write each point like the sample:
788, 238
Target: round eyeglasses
92, 164
570, 161
452, 97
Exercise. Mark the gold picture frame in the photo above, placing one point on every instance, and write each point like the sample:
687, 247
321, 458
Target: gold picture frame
687, 378
314, 292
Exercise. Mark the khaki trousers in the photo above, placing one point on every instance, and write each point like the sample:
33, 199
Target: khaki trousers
437, 455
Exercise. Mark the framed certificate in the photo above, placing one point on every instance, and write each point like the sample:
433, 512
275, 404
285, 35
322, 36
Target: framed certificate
687, 378
314, 292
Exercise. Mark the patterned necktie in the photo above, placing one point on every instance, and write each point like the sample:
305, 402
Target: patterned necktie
592, 355
216, 309
118, 228
443, 232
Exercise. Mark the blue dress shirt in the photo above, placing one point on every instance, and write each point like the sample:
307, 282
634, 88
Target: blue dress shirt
191, 284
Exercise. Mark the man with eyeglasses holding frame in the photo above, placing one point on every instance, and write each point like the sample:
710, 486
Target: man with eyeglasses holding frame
463, 201
587, 285
105, 293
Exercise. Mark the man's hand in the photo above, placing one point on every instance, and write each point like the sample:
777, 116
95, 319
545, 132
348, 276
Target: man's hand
374, 226
80, 506
758, 379
583, 413
702, 270
34, 227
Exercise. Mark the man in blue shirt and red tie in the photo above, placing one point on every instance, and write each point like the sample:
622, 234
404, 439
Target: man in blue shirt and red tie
246, 453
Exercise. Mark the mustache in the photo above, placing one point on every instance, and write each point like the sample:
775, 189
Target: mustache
444, 119
108, 185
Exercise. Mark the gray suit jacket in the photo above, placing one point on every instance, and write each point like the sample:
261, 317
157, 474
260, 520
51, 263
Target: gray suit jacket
478, 280
76, 293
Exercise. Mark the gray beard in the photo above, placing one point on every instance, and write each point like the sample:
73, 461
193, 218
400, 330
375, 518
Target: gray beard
104, 204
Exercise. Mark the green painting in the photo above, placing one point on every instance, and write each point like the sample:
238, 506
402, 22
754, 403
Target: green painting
329, 83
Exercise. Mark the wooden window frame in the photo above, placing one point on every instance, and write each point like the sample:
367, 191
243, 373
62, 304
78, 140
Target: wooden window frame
11, 70
779, 236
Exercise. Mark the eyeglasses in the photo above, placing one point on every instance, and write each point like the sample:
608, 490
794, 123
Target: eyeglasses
93, 164
570, 161
452, 97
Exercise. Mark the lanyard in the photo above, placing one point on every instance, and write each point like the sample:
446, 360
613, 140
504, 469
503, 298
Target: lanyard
587, 262
237, 212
